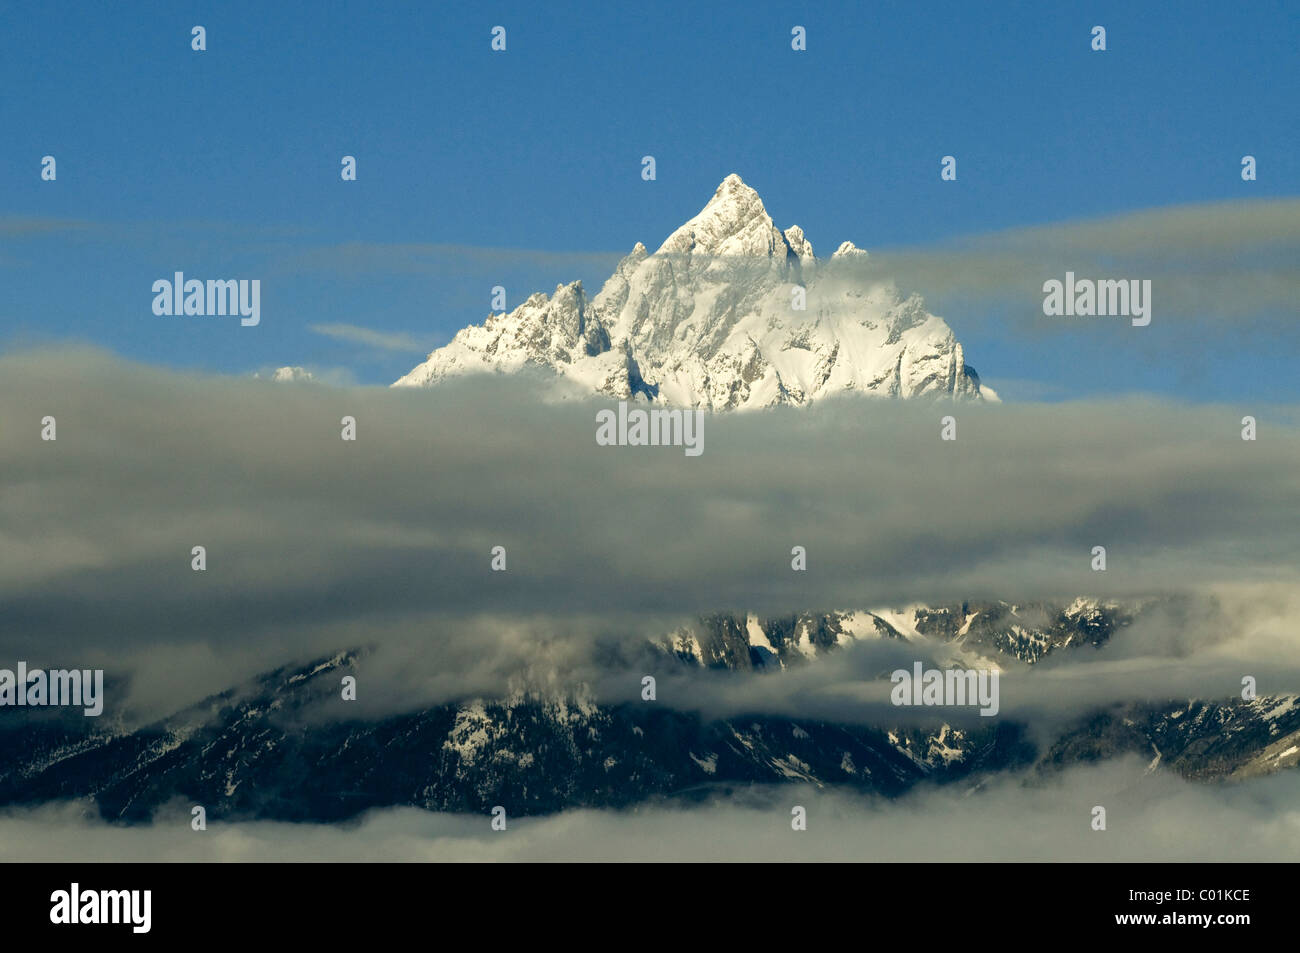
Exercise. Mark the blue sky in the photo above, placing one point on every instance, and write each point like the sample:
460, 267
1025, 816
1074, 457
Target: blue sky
226, 163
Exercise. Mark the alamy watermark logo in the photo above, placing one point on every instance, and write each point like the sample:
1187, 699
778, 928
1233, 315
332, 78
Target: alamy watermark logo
1106, 297
954, 687
651, 428
82, 688
72, 906
213, 297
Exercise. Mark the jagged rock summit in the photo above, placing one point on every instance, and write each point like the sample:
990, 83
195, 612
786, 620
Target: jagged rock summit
712, 320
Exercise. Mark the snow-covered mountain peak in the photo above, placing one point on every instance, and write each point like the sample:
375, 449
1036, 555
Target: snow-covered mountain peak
733, 223
849, 250
289, 375
730, 312
794, 237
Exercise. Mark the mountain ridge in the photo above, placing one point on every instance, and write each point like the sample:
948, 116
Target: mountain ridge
284, 746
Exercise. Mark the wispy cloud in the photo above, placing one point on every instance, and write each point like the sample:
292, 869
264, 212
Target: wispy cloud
381, 340
428, 258
1212, 265
15, 227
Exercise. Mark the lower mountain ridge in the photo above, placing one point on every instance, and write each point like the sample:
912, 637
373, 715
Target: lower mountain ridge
265, 750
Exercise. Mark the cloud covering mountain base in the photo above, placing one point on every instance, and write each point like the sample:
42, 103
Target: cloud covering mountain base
1150, 817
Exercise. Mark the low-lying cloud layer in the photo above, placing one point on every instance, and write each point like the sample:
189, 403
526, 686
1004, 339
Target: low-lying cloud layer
315, 543
1148, 818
